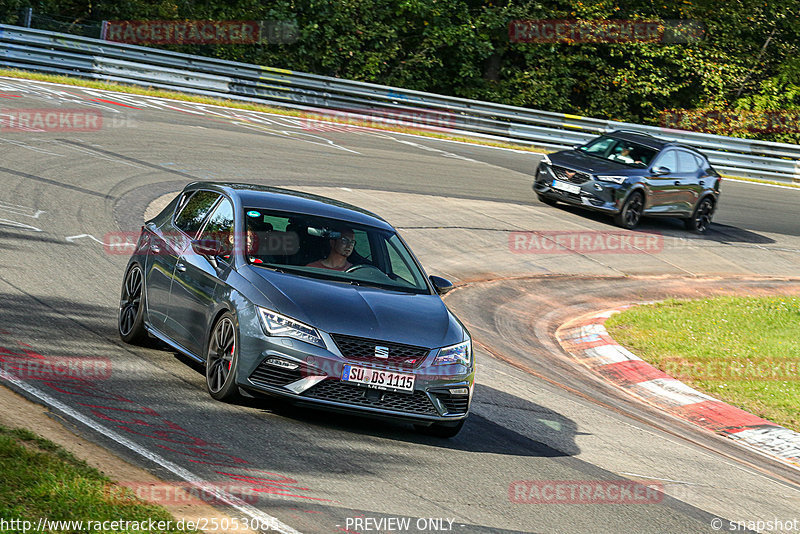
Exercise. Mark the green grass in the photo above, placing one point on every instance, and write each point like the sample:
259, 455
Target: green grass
40, 479
742, 350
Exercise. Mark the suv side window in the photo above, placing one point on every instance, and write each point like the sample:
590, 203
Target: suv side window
668, 159
194, 212
686, 162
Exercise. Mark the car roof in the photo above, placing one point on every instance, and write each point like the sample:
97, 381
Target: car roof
290, 201
651, 141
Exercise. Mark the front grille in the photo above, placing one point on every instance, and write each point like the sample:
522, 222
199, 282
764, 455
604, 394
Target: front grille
272, 375
454, 404
577, 178
363, 350
337, 391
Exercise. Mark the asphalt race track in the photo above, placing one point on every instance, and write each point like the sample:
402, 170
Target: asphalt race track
65, 195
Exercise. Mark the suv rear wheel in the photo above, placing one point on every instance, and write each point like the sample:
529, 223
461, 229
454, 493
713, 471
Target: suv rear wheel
701, 218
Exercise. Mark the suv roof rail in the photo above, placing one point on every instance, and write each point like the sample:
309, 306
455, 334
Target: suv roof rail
624, 130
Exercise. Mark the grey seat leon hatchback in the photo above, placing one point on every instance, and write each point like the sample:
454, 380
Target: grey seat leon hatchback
283, 293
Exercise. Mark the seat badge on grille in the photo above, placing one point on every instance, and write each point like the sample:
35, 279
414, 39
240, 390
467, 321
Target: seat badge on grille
570, 174
381, 352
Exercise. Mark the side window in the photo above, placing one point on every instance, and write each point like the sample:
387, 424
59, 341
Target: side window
686, 162
362, 247
702, 163
668, 159
220, 224
194, 212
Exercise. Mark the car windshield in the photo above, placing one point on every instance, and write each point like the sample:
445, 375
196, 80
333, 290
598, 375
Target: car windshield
318, 247
620, 151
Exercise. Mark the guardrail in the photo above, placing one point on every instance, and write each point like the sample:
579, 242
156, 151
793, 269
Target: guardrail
58, 53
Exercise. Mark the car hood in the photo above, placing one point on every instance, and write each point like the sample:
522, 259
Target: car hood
362, 311
577, 160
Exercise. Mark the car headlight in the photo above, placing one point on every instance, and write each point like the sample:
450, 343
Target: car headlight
614, 179
546, 160
459, 353
281, 326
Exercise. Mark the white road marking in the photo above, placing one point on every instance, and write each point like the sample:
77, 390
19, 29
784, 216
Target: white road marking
180, 472
73, 238
16, 209
21, 226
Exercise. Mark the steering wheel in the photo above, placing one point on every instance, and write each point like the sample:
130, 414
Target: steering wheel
362, 267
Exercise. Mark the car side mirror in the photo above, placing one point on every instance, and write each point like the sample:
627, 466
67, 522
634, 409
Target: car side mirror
210, 248
658, 171
441, 285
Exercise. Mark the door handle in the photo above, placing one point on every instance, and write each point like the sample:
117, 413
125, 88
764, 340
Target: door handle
702, 182
181, 267
677, 182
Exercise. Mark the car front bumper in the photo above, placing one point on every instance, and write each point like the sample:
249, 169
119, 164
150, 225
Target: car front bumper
309, 375
600, 196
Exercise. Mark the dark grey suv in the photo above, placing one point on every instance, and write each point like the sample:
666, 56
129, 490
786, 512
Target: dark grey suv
278, 292
630, 175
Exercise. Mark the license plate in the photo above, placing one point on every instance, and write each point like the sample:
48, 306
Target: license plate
378, 378
564, 186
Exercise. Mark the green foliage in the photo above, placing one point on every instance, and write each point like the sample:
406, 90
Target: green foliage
462, 48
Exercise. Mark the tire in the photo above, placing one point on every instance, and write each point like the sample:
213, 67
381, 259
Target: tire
222, 359
441, 430
130, 319
631, 212
547, 200
701, 218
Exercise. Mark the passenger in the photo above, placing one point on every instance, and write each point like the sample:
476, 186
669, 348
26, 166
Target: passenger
341, 249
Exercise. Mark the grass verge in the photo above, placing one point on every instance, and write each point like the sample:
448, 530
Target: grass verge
175, 95
742, 350
40, 479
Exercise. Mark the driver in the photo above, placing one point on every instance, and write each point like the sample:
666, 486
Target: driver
341, 248
625, 156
